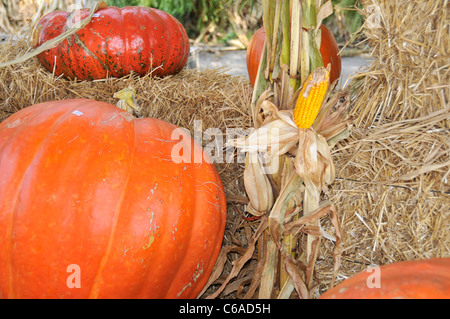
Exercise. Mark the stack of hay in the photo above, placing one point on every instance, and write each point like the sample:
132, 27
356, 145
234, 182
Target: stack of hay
392, 189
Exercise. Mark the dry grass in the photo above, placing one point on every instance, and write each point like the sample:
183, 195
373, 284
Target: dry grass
17, 17
392, 194
391, 190
410, 74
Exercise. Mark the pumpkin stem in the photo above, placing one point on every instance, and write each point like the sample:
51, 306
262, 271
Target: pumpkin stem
102, 5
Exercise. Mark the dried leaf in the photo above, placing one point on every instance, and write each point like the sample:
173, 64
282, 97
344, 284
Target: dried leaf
281, 206
218, 267
238, 264
268, 275
297, 278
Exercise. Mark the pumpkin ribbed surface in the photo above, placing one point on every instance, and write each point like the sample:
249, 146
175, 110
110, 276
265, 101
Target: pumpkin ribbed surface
116, 42
85, 183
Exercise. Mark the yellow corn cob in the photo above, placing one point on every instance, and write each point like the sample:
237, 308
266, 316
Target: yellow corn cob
311, 97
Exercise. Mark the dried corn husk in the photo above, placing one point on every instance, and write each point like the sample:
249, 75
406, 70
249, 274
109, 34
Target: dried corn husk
259, 189
127, 100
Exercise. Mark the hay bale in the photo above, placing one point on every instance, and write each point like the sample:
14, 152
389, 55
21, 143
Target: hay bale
392, 195
409, 76
392, 188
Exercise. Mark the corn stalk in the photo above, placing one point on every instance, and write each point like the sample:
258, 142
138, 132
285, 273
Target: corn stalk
288, 184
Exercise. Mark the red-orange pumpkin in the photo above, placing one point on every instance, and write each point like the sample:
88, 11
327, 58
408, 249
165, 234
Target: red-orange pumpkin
254, 53
328, 48
116, 42
86, 189
330, 53
420, 279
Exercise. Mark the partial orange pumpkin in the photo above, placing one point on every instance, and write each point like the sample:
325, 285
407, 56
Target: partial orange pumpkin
91, 196
420, 279
254, 53
328, 48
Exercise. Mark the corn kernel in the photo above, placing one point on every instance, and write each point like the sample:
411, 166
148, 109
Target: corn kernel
311, 98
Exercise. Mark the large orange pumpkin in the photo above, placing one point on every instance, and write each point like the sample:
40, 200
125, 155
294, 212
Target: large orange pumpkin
420, 279
328, 49
88, 190
116, 41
